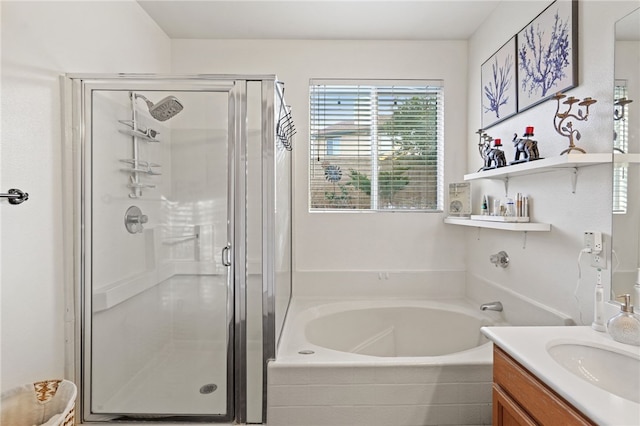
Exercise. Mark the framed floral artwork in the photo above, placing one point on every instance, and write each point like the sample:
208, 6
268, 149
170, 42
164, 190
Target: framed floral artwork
547, 54
499, 85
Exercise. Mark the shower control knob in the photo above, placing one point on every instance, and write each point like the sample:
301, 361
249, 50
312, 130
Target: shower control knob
134, 219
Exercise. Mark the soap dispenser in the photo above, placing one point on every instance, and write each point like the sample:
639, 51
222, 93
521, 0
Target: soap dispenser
625, 326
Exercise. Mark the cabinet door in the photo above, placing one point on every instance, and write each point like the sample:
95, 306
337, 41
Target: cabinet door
507, 412
532, 396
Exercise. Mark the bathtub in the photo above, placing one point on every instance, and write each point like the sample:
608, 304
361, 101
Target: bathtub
382, 362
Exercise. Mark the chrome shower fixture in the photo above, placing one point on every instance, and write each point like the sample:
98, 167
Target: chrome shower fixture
134, 220
500, 259
492, 306
164, 109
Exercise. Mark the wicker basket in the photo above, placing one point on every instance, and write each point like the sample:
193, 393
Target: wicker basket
46, 403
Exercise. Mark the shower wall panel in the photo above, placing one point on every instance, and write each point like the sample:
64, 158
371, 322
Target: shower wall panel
198, 205
136, 257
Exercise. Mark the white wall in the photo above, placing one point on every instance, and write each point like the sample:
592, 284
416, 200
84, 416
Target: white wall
546, 269
40, 42
347, 241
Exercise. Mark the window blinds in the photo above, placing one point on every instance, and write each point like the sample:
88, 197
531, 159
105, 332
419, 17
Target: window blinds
620, 144
376, 145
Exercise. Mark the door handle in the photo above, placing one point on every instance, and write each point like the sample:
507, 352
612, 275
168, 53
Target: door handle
226, 261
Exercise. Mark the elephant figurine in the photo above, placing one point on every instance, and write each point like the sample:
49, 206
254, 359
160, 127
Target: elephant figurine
493, 157
525, 147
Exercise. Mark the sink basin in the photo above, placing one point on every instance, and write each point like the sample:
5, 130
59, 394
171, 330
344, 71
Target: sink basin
614, 372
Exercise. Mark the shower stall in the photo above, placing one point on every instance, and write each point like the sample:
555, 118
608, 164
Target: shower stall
178, 235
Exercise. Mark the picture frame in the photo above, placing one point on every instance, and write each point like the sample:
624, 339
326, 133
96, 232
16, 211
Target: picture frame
460, 199
499, 85
551, 38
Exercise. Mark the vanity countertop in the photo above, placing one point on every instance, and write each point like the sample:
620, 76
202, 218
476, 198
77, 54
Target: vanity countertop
528, 346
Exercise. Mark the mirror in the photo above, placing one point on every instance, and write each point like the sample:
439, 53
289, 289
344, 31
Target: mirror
625, 237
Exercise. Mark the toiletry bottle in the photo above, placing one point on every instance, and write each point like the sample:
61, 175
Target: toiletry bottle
511, 208
598, 320
484, 209
625, 326
496, 207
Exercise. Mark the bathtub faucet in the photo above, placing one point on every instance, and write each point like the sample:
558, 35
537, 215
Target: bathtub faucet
491, 306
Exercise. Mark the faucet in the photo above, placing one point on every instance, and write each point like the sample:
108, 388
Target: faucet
500, 259
491, 306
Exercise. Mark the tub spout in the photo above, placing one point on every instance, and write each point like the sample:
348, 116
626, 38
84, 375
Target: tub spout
491, 306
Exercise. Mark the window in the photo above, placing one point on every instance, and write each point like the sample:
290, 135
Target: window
332, 146
376, 145
620, 145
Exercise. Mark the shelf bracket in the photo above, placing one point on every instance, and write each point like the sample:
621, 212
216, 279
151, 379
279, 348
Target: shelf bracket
524, 240
505, 181
574, 179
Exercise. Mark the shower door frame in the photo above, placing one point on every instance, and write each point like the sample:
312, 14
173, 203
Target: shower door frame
77, 108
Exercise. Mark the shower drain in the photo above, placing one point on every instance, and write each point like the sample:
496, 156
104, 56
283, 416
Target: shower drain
208, 388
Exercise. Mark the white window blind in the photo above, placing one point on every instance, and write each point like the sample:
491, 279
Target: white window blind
620, 145
376, 145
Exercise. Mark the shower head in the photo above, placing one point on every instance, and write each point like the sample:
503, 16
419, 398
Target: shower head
164, 109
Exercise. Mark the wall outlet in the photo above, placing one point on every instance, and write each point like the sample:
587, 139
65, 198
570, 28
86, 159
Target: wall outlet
599, 260
593, 241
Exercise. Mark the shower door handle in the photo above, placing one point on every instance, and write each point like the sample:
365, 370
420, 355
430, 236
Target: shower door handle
226, 261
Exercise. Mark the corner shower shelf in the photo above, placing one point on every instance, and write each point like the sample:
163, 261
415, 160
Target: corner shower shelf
505, 226
569, 162
149, 172
140, 185
138, 167
139, 134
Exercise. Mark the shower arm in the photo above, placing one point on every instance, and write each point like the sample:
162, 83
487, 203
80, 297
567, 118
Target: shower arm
149, 103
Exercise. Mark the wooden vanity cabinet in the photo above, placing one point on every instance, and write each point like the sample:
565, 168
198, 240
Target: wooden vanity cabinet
519, 398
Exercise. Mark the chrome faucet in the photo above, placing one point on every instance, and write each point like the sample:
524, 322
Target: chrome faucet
491, 306
500, 259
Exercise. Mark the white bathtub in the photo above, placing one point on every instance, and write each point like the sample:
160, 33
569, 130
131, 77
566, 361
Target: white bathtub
382, 362
394, 329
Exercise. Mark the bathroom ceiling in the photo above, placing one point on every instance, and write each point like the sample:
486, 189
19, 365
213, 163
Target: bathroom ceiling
319, 19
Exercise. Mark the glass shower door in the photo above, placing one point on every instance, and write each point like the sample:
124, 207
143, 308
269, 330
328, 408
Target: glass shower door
158, 217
